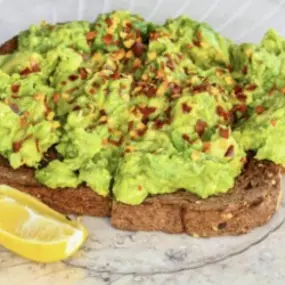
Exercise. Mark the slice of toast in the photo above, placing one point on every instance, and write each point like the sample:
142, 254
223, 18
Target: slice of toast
82, 200
250, 203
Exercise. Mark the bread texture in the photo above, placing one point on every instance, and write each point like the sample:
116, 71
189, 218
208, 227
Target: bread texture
250, 203
81, 200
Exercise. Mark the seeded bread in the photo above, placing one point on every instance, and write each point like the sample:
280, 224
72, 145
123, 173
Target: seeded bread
250, 203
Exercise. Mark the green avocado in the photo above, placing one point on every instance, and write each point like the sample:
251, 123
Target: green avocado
134, 109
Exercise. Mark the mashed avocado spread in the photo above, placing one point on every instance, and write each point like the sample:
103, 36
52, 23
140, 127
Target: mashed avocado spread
135, 109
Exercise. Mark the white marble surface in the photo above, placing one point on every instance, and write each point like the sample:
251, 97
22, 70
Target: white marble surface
114, 257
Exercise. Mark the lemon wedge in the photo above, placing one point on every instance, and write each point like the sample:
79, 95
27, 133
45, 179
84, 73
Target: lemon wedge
35, 231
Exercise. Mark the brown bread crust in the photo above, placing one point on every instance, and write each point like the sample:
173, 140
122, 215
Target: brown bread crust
250, 203
81, 201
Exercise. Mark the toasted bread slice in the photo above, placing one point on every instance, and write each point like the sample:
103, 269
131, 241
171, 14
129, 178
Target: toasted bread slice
82, 200
250, 203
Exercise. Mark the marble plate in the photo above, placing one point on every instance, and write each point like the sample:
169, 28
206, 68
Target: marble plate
109, 249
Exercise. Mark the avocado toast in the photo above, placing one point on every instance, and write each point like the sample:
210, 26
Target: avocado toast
114, 117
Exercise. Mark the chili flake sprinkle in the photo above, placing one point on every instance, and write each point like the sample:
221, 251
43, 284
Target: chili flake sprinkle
200, 127
259, 109
186, 108
15, 88
186, 138
224, 132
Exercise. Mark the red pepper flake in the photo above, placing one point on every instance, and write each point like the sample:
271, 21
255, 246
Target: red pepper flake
92, 91
108, 39
83, 73
56, 97
26, 114
142, 132
170, 64
225, 133
138, 49
176, 89
130, 125
73, 77
186, 108
158, 124
186, 138
109, 21
35, 67
23, 122
150, 92
199, 36
200, 127
238, 89
51, 154
259, 109
200, 88
146, 111
25, 71
206, 147
139, 187
116, 143
15, 108
154, 35
241, 108
230, 151
196, 43
15, 88
241, 97
17, 146
63, 83
239, 93
251, 87
116, 75
90, 35
244, 70
273, 123
222, 113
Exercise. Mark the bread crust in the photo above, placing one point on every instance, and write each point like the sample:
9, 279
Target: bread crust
250, 203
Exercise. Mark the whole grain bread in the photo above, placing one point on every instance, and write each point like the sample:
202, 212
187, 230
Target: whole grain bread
250, 203
81, 200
